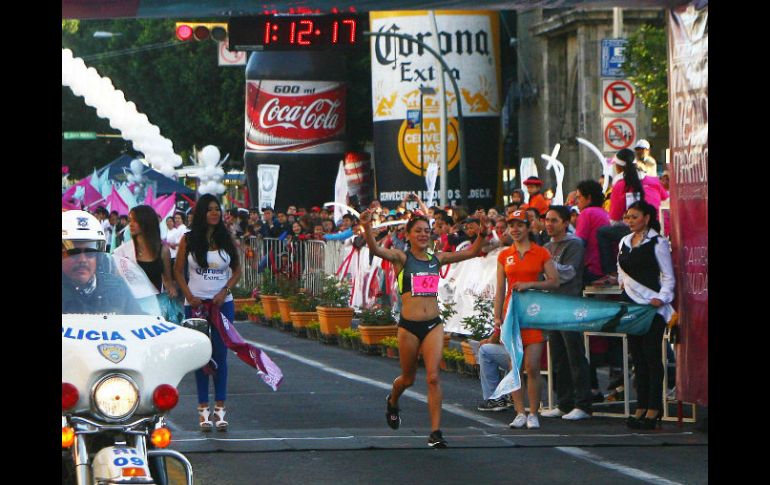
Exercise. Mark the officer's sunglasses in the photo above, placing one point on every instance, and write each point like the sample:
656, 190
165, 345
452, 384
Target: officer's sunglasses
89, 253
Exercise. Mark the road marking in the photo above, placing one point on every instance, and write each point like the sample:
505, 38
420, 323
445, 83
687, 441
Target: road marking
625, 470
382, 385
517, 437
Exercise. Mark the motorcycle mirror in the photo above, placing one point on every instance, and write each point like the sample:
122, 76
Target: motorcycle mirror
199, 324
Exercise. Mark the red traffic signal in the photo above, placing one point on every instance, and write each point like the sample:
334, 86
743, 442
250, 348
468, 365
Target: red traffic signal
201, 31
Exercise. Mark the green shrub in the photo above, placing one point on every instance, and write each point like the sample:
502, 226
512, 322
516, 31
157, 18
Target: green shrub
482, 321
390, 342
377, 316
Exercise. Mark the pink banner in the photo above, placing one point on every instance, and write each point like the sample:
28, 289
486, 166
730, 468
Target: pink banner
688, 109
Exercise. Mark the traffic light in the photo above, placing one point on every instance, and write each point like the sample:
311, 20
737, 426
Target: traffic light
201, 31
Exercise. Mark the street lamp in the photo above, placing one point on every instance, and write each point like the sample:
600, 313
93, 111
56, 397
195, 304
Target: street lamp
430, 92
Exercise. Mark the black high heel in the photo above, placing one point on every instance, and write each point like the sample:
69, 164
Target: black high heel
632, 422
651, 423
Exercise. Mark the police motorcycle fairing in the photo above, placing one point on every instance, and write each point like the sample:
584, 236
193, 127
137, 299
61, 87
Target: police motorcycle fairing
121, 363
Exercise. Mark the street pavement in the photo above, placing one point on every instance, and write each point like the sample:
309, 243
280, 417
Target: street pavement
326, 424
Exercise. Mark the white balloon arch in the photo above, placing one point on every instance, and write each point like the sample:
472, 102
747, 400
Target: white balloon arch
111, 104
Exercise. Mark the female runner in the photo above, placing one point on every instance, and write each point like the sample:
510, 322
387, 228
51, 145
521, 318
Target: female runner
420, 326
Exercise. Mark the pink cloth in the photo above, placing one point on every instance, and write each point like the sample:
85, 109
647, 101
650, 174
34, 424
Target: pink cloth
654, 192
588, 223
266, 368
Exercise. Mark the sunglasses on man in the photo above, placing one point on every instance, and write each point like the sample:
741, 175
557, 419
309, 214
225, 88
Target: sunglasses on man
88, 252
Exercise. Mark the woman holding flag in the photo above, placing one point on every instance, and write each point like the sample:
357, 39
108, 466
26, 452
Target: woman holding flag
518, 269
420, 327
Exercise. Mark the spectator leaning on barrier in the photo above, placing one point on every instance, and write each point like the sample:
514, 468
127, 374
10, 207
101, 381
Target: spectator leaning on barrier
570, 367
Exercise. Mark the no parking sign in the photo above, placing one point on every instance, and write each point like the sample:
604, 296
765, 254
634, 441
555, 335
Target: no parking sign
618, 97
618, 133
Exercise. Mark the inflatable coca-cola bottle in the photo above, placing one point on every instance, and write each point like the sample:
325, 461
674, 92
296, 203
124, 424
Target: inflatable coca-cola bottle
295, 120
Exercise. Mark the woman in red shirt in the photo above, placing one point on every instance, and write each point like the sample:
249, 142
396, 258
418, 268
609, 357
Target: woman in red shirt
519, 268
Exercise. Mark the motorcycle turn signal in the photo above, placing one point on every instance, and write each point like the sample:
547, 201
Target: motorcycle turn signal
67, 436
161, 437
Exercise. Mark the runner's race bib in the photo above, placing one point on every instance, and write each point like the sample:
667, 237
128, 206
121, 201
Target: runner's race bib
424, 284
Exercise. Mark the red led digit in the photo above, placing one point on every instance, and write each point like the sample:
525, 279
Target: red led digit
292, 32
352, 24
335, 32
307, 31
267, 33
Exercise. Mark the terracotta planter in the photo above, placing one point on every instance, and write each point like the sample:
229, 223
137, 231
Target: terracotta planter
284, 306
331, 319
269, 305
447, 338
301, 319
242, 302
469, 352
373, 335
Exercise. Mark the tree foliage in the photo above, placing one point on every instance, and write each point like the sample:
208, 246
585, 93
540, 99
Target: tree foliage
646, 65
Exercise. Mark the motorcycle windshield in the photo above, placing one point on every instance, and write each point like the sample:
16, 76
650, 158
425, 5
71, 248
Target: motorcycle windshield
101, 283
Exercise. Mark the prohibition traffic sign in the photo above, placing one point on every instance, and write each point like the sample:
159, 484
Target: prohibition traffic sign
230, 58
619, 133
618, 97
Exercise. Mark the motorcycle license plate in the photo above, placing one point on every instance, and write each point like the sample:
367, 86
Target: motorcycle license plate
110, 462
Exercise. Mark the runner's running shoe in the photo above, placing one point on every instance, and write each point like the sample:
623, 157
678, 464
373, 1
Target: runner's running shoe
391, 413
493, 405
436, 440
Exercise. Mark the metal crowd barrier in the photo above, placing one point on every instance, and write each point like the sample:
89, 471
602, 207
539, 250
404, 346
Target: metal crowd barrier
308, 260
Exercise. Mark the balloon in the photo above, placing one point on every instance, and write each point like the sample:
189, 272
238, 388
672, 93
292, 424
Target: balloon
209, 155
137, 166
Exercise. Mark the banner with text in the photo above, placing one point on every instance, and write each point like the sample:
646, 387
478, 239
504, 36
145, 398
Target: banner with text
688, 112
404, 145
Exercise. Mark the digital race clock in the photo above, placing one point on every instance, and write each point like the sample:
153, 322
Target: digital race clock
295, 32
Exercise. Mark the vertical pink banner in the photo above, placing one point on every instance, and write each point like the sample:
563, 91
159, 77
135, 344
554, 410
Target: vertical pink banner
688, 124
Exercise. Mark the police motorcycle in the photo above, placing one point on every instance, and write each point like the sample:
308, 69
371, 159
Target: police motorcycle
121, 363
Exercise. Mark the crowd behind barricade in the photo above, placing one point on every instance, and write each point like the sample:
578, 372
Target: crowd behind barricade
597, 238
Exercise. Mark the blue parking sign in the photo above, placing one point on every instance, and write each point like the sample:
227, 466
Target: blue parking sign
613, 56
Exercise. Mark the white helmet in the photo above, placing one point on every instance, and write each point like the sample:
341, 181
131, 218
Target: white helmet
81, 227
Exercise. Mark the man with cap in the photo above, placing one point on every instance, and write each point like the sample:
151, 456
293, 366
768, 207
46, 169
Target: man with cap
536, 199
643, 159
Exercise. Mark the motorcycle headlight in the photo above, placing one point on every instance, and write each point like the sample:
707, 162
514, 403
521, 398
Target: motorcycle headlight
116, 396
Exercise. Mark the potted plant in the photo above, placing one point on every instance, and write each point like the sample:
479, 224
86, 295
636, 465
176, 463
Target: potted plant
346, 337
303, 312
334, 311
275, 320
287, 287
313, 330
377, 323
390, 347
254, 312
447, 311
268, 291
242, 297
480, 323
355, 339
453, 359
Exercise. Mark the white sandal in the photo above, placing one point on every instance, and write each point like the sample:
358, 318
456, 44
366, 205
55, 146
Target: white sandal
205, 423
219, 417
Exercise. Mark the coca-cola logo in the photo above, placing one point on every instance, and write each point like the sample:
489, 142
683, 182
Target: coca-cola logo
321, 114
285, 114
